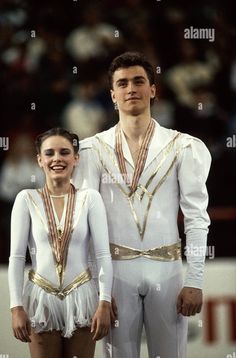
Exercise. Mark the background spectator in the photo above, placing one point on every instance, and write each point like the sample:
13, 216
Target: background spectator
53, 72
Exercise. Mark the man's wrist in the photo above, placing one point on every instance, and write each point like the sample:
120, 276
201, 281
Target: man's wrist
17, 309
104, 304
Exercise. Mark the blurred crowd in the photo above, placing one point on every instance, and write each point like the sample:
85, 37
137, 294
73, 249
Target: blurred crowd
54, 59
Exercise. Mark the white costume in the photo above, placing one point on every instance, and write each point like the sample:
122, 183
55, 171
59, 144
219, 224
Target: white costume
74, 304
147, 282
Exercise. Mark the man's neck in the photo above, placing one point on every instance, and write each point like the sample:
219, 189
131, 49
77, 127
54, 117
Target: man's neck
135, 128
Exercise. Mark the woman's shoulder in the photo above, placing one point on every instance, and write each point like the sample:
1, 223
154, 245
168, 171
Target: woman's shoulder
24, 197
25, 193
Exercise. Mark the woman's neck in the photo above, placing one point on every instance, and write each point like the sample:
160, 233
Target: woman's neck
58, 188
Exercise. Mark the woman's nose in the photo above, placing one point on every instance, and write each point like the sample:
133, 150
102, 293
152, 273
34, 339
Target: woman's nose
57, 156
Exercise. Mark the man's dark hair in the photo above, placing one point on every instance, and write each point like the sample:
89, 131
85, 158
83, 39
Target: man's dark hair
129, 59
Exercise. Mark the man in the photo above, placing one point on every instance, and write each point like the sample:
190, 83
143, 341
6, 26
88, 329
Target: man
144, 172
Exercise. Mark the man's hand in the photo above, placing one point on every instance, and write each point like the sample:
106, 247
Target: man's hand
101, 320
21, 324
189, 301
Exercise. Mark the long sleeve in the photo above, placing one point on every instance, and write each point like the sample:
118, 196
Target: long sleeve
87, 172
87, 175
193, 170
20, 226
99, 234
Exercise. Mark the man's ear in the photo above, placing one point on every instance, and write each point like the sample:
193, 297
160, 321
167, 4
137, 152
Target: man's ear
153, 91
113, 96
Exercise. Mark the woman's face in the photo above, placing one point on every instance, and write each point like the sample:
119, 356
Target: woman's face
57, 158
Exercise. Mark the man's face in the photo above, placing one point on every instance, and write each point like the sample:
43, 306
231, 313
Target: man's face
132, 90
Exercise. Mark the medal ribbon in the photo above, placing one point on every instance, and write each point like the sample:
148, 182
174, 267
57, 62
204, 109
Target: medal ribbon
59, 241
142, 155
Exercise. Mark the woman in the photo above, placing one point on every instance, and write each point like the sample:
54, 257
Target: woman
59, 313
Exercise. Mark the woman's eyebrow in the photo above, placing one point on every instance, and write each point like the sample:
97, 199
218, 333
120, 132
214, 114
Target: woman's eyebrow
51, 149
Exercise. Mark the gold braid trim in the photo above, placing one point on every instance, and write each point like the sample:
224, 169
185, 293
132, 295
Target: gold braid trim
163, 253
60, 293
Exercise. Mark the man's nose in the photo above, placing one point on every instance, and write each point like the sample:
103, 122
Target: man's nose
131, 87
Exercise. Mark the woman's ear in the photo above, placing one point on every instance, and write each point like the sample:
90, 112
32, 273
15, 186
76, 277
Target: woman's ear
76, 158
39, 160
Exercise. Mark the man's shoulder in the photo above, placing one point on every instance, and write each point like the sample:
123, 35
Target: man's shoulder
89, 142
86, 143
168, 131
182, 137
183, 141
188, 138
105, 135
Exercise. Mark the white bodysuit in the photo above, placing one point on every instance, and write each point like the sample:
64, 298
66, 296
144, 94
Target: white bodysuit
146, 289
29, 228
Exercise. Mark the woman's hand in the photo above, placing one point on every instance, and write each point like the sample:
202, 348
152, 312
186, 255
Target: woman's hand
101, 320
21, 324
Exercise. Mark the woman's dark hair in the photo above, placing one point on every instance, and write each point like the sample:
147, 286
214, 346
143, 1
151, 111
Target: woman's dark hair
72, 138
128, 59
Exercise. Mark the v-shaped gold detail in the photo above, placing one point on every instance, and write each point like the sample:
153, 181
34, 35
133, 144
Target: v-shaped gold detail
144, 188
61, 268
59, 243
38, 211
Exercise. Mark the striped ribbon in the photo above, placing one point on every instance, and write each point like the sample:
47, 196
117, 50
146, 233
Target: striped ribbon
142, 155
59, 241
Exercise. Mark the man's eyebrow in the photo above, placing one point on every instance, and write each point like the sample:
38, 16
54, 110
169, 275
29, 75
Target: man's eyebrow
134, 78
121, 80
139, 78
